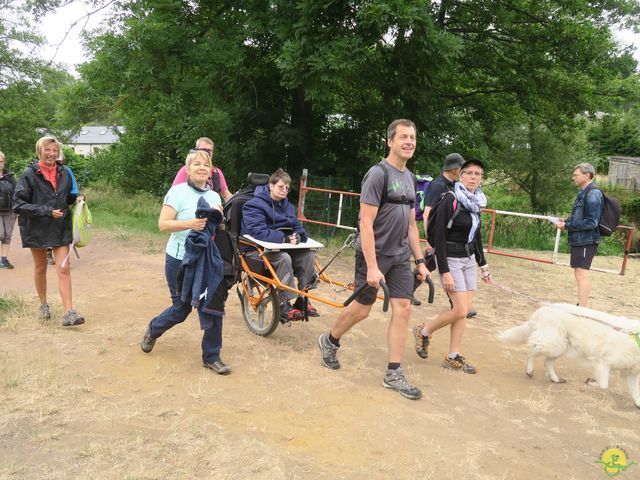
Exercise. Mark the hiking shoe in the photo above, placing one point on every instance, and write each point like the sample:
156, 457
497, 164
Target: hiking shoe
147, 342
421, 341
7, 264
72, 318
311, 310
414, 301
50, 259
44, 312
289, 313
471, 314
329, 352
395, 380
218, 366
459, 363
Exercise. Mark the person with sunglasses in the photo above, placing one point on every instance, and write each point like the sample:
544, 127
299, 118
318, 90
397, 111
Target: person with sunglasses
216, 180
269, 217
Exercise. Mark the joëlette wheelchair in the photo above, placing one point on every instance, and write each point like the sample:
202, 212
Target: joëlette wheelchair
258, 283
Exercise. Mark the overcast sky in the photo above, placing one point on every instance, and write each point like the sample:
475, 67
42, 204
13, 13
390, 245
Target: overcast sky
55, 25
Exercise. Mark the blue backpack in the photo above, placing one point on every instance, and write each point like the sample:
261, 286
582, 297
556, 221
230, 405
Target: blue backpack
422, 185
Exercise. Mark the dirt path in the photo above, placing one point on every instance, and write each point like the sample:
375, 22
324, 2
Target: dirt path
86, 402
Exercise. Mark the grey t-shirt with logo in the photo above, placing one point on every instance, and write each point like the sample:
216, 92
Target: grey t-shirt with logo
391, 225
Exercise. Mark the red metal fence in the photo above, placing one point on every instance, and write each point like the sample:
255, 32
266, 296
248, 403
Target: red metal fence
343, 195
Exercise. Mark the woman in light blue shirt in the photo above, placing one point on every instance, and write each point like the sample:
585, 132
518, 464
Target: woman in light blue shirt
178, 216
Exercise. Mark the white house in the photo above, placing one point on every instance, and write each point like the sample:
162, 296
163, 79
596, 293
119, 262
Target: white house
92, 138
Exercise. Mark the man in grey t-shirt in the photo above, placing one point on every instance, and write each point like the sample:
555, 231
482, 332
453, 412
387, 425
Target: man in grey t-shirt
388, 237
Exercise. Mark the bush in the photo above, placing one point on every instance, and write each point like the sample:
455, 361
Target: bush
111, 208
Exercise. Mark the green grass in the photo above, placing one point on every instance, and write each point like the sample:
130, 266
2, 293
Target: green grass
11, 305
122, 213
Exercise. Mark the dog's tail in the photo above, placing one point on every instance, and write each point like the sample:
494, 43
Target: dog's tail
518, 334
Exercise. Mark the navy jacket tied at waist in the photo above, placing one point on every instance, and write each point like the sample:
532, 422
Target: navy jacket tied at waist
202, 268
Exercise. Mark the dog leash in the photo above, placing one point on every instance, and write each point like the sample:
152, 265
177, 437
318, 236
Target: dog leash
520, 294
634, 335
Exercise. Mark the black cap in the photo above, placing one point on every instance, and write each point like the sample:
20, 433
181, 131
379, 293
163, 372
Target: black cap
452, 161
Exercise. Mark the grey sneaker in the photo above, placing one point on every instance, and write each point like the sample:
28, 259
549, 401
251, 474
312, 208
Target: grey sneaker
218, 366
147, 342
395, 380
44, 312
72, 318
7, 264
472, 313
328, 351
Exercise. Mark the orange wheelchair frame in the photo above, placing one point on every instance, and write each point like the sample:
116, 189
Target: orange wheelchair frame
258, 282
259, 285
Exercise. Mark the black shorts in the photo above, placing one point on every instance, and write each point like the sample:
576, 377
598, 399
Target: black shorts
397, 275
581, 257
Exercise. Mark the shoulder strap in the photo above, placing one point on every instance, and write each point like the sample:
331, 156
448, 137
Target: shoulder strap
592, 187
456, 210
385, 185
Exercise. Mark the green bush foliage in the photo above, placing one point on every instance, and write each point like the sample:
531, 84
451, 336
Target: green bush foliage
112, 208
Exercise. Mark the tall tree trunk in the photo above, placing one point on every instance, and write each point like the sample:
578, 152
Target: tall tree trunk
534, 174
300, 148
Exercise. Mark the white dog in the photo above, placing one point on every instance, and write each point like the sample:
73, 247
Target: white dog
606, 341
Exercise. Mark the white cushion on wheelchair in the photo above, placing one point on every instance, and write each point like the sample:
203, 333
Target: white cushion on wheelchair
270, 246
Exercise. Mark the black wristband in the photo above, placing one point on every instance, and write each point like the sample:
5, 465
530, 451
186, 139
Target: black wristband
421, 261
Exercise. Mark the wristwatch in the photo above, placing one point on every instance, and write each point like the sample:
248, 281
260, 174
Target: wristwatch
421, 260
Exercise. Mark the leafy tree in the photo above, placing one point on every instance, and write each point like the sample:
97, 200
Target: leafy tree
616, 134
539, 161
314, 84
29, 88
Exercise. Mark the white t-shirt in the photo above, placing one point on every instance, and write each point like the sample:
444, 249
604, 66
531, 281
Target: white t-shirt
184, 200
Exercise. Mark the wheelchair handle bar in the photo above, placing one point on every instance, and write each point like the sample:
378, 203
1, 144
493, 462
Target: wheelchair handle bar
429, 282
385, 289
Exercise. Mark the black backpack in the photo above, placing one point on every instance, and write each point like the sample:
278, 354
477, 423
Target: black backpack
610, 216
227, 235
435, 211
6, 194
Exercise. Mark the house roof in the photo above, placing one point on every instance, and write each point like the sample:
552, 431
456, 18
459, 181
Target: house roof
97, 135
635, 160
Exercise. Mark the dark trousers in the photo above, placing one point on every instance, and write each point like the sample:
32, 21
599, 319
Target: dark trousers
179, 311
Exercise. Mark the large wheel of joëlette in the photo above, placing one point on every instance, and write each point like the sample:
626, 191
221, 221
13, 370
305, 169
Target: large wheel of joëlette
260, 306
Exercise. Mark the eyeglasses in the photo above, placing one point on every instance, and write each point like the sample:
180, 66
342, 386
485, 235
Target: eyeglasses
472, 174
281, 187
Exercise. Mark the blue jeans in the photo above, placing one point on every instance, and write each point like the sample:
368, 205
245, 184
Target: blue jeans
179, 311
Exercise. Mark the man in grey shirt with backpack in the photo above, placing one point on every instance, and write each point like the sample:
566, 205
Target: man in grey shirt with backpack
388, 238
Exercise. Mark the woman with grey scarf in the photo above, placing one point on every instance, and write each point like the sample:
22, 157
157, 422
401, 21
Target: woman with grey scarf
458, 248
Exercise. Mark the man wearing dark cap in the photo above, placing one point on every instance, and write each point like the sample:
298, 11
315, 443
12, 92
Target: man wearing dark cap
442, 183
